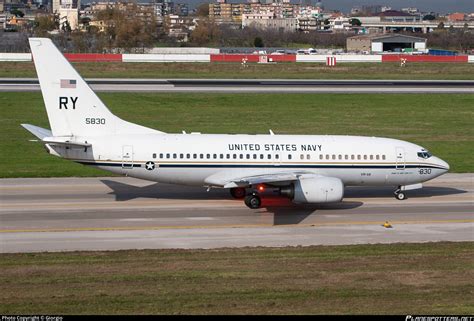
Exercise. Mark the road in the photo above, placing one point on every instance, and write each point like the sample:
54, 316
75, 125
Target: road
257, 85
67, 214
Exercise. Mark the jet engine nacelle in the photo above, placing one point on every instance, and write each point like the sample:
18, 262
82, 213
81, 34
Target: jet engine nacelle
317, 190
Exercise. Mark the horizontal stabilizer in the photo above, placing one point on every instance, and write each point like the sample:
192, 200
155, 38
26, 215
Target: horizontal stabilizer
64, 142
46, 137
37, 131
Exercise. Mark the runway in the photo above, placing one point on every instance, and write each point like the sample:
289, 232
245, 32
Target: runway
257, 85
68, 214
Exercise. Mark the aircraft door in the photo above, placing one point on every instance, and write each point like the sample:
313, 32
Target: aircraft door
400, 161
127, 157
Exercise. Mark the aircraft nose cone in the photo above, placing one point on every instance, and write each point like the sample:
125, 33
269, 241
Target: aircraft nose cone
446, 165
443, 164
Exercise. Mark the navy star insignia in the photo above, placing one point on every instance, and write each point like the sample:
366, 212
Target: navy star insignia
150, 166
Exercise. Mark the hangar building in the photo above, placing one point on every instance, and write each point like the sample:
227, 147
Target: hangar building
385, 43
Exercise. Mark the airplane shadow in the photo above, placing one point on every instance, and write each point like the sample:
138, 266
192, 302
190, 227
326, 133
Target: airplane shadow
387, 191
287, 213
126, 192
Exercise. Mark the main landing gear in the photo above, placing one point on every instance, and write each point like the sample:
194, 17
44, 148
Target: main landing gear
238, 192
252, 200
399, 195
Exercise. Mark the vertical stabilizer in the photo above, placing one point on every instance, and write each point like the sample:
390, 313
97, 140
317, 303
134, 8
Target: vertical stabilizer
73, 108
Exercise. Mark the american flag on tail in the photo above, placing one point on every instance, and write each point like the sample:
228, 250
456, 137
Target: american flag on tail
68, 83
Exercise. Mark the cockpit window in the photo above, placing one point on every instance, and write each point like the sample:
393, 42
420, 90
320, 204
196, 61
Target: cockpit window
424, 154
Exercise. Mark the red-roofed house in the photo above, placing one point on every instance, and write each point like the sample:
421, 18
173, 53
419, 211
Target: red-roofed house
458, 16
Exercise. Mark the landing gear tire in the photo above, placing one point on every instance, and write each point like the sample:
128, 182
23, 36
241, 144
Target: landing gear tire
253, 201
400, 195
238, 192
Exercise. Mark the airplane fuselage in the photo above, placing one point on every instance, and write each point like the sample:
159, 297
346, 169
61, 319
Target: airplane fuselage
198, 159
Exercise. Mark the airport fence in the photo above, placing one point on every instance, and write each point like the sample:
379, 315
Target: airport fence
166, 58
425, 58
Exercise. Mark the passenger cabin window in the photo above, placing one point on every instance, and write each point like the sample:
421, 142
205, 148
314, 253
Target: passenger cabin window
301, 156
308, 156
289, 156
201, 155
383, 157
321, 156
195, 156
346, 157
254, 156
234, 156
161, 155
358, 157
154, 155
327, 156
365, 156
371, 157
247, 156
167, 155
188, 156
377, 157
340, 156
333, 156
352, 157
181, 155
262, 156
269, 156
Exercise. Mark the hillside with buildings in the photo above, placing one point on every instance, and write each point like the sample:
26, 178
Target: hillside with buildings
135, 26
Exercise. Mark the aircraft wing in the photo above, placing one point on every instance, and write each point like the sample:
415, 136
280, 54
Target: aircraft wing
281, 177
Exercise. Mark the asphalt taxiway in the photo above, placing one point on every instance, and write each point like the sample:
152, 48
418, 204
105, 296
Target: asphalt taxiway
257, 85
67, 214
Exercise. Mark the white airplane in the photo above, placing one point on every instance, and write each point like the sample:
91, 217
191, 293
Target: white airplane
307, 169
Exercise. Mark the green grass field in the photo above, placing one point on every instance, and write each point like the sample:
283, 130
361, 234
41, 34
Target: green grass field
430, 278
412, 71
442, 123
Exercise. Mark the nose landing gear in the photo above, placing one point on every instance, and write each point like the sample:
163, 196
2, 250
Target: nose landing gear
399, 195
